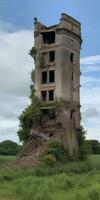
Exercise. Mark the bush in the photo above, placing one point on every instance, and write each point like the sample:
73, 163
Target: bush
33, 52
31, 113
54, 151
80, 133
49, 159
9, 148
93, 146
28, 117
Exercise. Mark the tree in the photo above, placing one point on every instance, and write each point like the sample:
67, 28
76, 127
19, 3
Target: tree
80, 133
30, 115
9, 147
93, 146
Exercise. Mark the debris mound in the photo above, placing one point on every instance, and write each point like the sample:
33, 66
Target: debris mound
31, 150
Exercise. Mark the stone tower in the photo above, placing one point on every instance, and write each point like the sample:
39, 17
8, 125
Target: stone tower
57, 76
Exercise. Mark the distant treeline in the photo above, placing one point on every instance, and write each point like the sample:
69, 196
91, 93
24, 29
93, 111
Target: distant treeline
9, 147
93, 146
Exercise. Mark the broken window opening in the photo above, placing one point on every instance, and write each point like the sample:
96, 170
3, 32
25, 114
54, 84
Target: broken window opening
51, 76
51, 95
44, 95
51, 56
50, 134
52, 114
49, 112
72, 115
48, 37
71, 57
44, 77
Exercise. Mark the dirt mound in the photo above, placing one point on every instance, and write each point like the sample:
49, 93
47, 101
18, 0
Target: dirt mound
31, 150
31, 159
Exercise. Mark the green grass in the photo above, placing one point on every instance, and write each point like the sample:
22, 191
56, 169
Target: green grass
6, 159
70, 181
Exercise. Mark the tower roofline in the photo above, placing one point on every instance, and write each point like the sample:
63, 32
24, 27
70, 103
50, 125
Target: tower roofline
69, 18
64, 17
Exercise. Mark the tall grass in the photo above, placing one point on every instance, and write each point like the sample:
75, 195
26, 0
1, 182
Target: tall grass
70, 181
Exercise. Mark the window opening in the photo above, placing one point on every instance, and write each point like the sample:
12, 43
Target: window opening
52, 114
44, 95
72, 115
44, 77
51, 76
51, 95
51, 56
48, 37
71, 57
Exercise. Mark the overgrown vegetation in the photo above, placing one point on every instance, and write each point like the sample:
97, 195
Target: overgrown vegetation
81, 133
41, 61
69, 181
93, 146
30, 115
33, 52
9, 147
53, 154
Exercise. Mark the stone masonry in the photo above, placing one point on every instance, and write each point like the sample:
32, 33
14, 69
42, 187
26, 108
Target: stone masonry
57, 78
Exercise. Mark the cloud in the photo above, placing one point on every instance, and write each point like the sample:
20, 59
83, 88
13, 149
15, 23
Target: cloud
10, 108
15, 63
90, 95
7, 26
15, 68
90, 60
91, 113
91, 68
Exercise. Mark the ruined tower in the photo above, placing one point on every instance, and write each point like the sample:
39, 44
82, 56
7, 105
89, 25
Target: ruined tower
57, 76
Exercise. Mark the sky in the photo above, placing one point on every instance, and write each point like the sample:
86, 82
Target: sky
16, 38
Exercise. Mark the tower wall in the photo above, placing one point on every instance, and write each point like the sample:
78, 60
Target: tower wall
58, 77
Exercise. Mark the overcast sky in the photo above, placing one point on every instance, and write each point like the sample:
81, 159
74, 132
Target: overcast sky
16, 38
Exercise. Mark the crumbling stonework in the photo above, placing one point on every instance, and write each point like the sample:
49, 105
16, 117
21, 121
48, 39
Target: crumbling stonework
57, 78
57, 84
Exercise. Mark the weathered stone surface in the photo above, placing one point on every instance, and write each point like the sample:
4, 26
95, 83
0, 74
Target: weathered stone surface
64, 40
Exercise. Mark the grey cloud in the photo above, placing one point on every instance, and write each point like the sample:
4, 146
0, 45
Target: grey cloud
15, 63
7, 26
90, 68
91, 60
10, 108
15, 68
90, 113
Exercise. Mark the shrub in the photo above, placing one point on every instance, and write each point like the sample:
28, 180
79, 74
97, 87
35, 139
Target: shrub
9, 147
80, 133
33, 52
49, 159
53, 153
93, 146
29, 116
31, 113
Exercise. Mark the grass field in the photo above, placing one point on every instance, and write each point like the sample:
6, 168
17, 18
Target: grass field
72, 181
